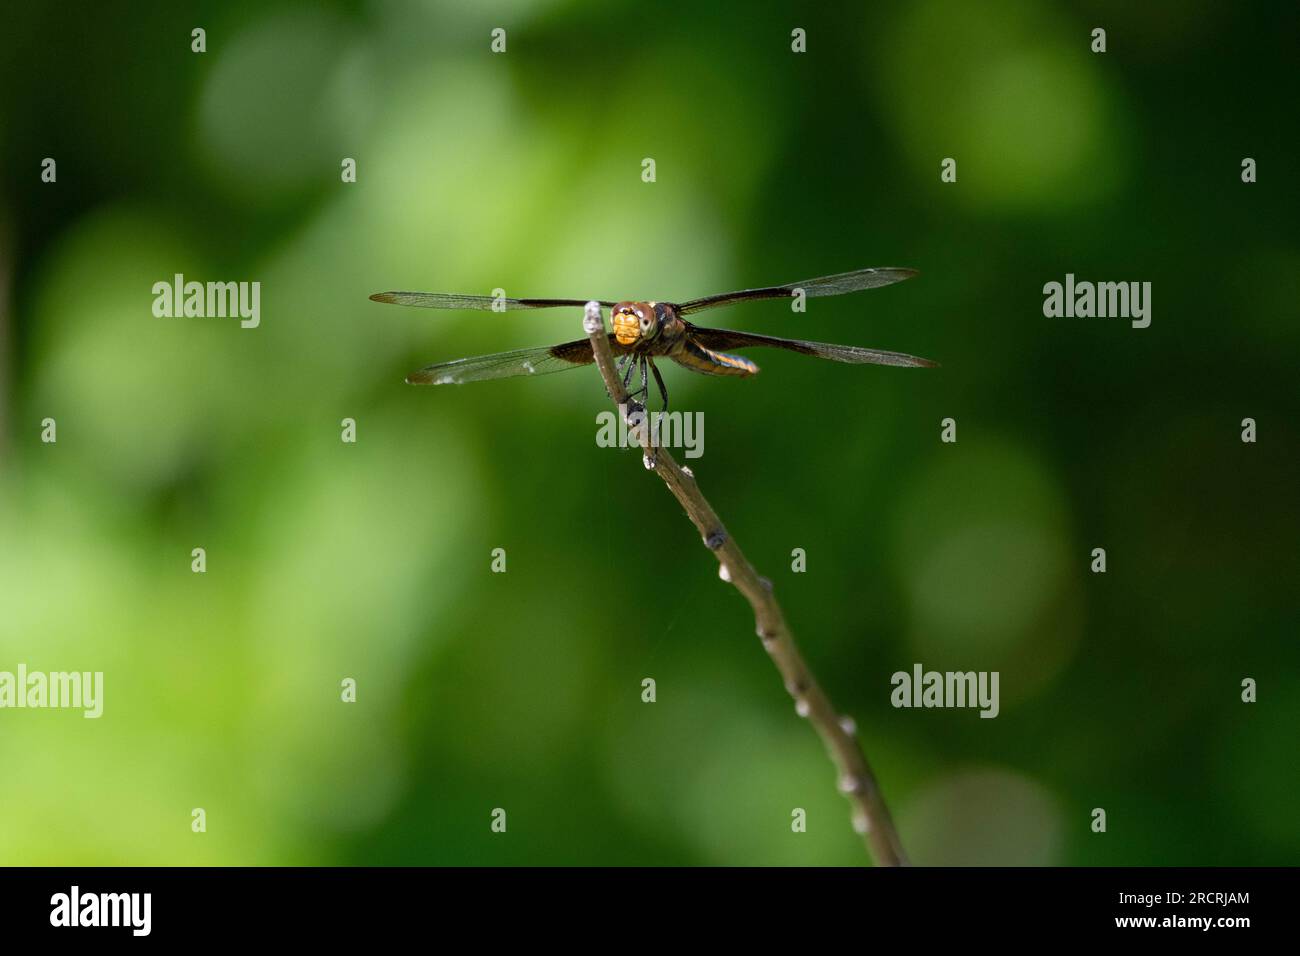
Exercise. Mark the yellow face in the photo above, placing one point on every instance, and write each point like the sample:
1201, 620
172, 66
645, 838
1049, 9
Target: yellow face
634, 321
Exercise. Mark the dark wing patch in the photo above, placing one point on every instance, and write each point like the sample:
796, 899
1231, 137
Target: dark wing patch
482, 303
538, 361
724, 340
837, 284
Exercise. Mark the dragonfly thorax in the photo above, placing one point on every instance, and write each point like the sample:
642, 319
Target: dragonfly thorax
634, 322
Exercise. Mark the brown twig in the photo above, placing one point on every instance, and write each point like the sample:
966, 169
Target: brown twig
870, 815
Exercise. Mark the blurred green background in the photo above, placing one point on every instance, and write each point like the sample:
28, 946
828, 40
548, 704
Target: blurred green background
522, 690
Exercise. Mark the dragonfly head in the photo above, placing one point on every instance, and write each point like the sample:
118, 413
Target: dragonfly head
634, 321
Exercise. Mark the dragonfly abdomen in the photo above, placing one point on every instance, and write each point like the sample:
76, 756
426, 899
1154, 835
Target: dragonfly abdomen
697, 358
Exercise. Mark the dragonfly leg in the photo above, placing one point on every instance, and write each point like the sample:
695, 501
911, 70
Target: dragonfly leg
650, 458
644, 389
659, 380
628, 362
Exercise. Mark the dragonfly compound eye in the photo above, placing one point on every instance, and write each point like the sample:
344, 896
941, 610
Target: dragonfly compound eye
631, 322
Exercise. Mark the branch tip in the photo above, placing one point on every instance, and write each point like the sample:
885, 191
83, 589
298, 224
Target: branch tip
592, 320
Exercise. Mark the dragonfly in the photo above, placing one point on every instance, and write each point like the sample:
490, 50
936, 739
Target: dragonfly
645, 331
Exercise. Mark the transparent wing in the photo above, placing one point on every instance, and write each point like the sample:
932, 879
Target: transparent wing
538, 361
483, 303
827, 285
723, 340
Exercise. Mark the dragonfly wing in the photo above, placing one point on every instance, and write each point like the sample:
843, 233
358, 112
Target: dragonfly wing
538, 361
482, 303
837, 284
723, 340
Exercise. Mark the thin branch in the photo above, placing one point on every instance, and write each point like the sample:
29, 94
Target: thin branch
871, 817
